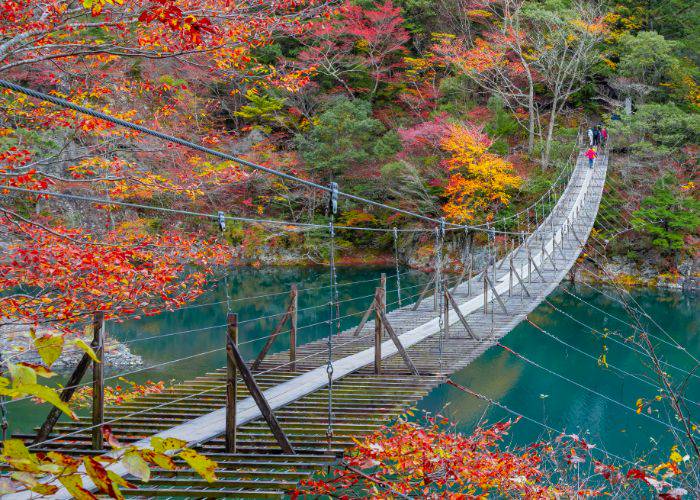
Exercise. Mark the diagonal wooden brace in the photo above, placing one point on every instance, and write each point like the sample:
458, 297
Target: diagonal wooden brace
495, 294
392, 334
365, 317
515, 273
70, 387
532, 262
271, 338
235, 355
461, 317
424, 293
551, 261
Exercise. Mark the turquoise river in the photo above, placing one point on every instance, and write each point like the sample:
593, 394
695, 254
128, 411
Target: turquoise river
570, 390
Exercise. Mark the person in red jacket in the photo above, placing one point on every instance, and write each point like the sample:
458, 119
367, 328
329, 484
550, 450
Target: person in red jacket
603, 136
591, 155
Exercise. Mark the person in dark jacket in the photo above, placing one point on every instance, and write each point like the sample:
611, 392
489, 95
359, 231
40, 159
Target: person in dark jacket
596, 135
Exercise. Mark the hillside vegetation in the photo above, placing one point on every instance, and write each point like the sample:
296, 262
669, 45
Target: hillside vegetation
459, 109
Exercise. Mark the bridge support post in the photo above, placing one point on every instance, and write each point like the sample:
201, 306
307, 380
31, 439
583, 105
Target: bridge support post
68, 391
288, 316
486, 291
231, 384
234, 356
98, 380
379, 309
293, 330
510, 276
469, 276
446, 311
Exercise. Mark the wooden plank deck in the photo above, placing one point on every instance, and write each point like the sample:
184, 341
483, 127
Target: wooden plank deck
362, 401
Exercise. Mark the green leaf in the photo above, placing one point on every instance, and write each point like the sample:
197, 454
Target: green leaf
49, 347
21, 375
48, 395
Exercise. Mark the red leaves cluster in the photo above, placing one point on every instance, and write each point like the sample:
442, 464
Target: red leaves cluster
61, 275
430, 460
12, 174
190, 28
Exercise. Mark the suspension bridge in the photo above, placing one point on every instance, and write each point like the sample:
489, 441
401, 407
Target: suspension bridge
298, 410
273, 421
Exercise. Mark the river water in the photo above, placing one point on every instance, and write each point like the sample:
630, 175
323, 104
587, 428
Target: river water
591, 400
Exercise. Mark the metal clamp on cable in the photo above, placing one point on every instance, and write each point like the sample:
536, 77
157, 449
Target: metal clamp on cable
333, 199
222, 221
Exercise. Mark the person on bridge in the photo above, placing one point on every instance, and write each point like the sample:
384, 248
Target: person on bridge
591, 155
603, 136
596, 135
590, 136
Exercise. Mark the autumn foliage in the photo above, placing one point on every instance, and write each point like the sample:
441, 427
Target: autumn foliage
480, 182
429, 459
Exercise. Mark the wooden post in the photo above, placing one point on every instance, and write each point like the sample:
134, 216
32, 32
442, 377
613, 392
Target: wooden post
486, 291
379, 309
98, 380
293, 330
471, 269
399, 347
66, 395
446, 308
510, 276
529, 266
231, 384
259, 398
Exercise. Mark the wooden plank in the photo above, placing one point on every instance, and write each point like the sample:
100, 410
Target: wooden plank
495, 294
522, 285
461, 317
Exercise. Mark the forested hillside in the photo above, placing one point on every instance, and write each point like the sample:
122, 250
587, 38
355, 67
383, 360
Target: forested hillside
454, 108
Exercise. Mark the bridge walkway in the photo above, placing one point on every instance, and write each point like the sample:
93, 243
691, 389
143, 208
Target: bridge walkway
362, 401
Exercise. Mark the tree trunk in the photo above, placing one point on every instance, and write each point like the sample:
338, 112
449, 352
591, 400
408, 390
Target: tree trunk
550, 133
531, 126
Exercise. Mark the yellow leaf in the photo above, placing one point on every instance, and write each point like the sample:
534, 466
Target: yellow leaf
15, 448
204, 466
34, 484
21, 375
136, 465
85, 347
676, 457
47, 394
161, 445
74, 485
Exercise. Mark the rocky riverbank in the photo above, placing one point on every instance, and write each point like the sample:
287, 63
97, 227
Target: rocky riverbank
17, 346
628, 273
